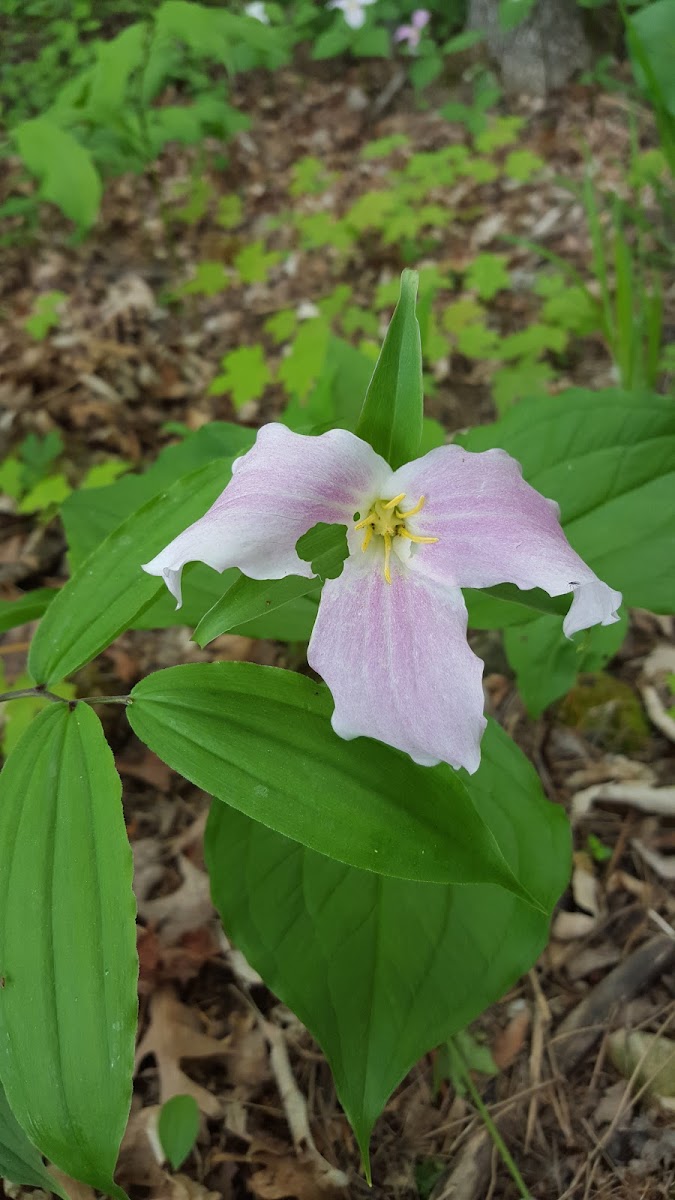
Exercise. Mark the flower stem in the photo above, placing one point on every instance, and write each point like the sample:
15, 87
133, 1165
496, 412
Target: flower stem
489, 1124
43, 694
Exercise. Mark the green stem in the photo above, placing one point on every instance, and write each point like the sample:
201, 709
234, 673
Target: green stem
43, 694
489, 1124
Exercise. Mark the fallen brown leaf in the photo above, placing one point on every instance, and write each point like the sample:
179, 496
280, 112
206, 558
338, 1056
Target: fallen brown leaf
171, 1036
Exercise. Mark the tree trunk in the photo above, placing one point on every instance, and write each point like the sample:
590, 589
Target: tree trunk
542, 53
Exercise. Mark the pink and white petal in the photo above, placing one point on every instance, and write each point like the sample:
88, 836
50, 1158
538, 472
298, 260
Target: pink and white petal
396, 659
492, 527
593, 603
420, 18
282, 487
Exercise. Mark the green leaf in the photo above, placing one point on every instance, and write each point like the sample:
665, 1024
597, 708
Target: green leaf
29, 607
110, 590
382, 970
248, 599
68, 936
253, 264
300, 369
526, 379
245, 375
391, 418
18, 714
547, 663
209, 279
513, 12
259, 738
608, 459
488, 275
45, 314
504, 605
65, 170
521, 165
178, 1126
324, 546
654, 25
20, 1162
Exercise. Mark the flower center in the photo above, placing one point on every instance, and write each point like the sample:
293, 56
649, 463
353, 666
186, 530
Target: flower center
386, 520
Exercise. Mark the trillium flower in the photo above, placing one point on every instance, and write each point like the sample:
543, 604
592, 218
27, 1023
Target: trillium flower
352, 11
258, 11
412, 33
390, 634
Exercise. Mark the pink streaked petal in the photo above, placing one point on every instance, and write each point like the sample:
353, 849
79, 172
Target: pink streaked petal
494, 528
396, 659
420, 18
404, 33
279, 489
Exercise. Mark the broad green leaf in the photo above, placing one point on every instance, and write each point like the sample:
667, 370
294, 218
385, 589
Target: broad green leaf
608, 459
324, 546
20, 1162
547, 663
247, 599
178, 1126
391, 418
260, 739
27, 608
110, 590
382, 970
504, 605
68, 936
652, 45
65, 170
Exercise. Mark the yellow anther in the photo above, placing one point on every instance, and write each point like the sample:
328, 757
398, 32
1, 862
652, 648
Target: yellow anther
414, 537
387, 556
412, 511
387, 522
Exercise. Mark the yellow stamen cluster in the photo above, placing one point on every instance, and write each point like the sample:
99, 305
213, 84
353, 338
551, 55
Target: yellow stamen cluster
386, 520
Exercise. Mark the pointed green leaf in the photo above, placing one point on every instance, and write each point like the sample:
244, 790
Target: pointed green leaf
248, 599
178, 1126
391, 418
381, 970
19, 1160
64, 168
68, 938
324, 546
109, 590
260, 739
27, 608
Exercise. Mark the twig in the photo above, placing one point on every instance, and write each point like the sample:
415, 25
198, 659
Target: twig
38, 691
656, 712
583, 1026
295, 1108
42, 694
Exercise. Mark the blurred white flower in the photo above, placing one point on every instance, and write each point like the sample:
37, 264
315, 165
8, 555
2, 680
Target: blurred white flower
352, 11
257, 10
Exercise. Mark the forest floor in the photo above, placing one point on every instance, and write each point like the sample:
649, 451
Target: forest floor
122, 364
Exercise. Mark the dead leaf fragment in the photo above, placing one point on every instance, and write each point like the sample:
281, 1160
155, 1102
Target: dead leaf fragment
172, 1036
650, 1058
